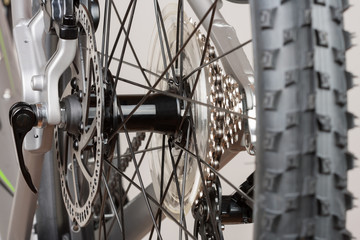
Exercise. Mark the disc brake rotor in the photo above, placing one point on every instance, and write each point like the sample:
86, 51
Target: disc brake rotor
79, 142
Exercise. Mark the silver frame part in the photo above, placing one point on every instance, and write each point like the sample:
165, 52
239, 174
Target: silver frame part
56, 66
29, 36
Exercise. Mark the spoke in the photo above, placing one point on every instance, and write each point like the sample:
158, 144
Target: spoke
121, 27
106, 13
178, 29
154, 90
151, 199
250, 190
121, 202
132, 48
122, 208
163, 74
112, 204
249, 200
207, 197
173, 174
201, 62
132, 178
107, 31
217, 58
139, 151
182, 41
102, 208
184, 182
102, 218
165, 38
136, 66
162, 176
161, 40
138, 174
124, 47
140, 162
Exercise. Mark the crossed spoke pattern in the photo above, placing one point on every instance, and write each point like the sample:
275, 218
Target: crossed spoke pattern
173, 70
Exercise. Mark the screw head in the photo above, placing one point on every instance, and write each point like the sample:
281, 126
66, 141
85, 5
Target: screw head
81, 127
74, 83
76, 145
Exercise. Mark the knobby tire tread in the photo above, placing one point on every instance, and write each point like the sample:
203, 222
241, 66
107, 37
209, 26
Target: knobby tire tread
302, 119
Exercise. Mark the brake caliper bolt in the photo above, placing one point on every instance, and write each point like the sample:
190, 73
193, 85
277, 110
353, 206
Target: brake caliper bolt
74, 83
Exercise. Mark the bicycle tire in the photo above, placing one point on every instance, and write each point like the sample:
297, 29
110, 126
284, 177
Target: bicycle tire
302, 119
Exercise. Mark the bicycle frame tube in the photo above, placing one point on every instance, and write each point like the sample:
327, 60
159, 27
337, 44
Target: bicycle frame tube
24, 203
29, 34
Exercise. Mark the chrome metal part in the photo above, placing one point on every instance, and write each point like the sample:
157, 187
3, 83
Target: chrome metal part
235, 64
224, 38
225, 128
28, 36
60, 61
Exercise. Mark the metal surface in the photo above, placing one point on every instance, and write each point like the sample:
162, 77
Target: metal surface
20, 10
235, 64
80, 155
28, 37
60, 61
224, 38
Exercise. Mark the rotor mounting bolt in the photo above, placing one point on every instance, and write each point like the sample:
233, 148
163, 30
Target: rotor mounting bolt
76, 145
201, 209
81, 95
81, 128
75, 227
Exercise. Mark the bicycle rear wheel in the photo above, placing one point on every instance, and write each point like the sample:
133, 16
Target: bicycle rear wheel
302, 124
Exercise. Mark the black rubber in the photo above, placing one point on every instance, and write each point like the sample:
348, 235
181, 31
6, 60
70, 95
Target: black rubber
302, 119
